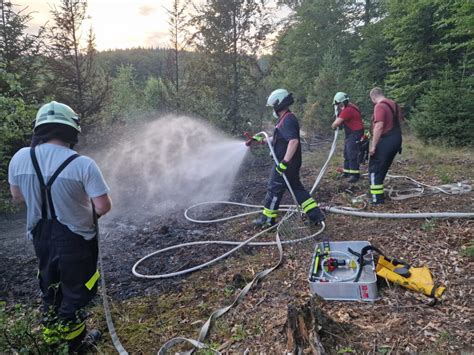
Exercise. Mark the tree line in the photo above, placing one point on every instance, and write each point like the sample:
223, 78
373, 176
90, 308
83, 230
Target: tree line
225, 56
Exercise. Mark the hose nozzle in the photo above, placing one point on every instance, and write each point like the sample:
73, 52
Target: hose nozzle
249, 140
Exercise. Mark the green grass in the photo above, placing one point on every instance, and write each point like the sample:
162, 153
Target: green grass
428, 225
469, 251
431, 164
239, 333
447, 164
21, 332
346, 350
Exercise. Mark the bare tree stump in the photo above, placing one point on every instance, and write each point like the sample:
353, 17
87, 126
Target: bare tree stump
302, 326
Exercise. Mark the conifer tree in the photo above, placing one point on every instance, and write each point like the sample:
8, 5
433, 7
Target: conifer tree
426, 36
229, 34
19, 50
315, 28
177, 21
443, 114
77, 80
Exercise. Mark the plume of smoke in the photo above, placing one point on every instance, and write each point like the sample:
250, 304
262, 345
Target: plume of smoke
170, 164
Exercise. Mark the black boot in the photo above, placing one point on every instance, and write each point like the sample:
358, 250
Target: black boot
353, 179
263, 221
90, 341
316, 215
377, 199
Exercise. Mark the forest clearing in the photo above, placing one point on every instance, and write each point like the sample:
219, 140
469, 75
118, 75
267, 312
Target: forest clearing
212, 156
149, 312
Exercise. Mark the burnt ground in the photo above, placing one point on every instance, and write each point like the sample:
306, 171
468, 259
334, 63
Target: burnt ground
149, 312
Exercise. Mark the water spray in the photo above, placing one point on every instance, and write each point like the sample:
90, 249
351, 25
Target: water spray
279, 227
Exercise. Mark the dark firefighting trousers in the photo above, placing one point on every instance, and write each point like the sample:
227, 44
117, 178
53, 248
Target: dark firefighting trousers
276, 189
67, 271
388, 146
351, 152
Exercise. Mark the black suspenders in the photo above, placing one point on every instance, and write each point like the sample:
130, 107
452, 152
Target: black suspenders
46, 188
396, 121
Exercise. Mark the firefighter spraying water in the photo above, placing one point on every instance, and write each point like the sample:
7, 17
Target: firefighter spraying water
287, 154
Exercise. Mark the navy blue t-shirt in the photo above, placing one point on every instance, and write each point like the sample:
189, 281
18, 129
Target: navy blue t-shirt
287, 129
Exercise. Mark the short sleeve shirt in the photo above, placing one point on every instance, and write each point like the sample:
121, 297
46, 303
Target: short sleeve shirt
352, 117
287, 129
71, 191
384, 112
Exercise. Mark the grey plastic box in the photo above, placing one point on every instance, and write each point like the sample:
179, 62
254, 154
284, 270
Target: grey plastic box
331, 289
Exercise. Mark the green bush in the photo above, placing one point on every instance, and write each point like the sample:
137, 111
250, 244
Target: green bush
444, 114
20, 332
15, 128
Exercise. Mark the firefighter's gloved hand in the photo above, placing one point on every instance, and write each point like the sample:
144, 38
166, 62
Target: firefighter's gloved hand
281, 168
258, 138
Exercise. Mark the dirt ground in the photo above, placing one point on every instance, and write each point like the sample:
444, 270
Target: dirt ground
149, 312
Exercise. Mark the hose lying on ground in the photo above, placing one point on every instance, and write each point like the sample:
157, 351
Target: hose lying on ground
291, 211
349, 212
420, 188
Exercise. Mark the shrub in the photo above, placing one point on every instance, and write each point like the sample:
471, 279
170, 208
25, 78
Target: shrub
443, 114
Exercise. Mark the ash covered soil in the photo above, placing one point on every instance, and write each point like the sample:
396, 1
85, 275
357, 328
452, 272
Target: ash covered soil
149, 312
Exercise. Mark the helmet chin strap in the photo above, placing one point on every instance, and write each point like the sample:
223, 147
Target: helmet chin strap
275, 114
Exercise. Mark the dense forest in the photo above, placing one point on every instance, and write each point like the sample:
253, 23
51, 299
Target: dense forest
226, 56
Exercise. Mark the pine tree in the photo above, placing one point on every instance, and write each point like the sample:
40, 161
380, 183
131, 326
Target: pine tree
315, 28
426, 36
77, 79
157, 94
15, 124
319, 111
19, 50
177, 22
229, 33
444, 113
125, 102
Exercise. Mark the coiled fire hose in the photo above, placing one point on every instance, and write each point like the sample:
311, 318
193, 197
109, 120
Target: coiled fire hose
289, 209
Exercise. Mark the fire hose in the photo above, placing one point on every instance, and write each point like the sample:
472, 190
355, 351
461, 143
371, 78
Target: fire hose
198, 343
288, 208
250, 242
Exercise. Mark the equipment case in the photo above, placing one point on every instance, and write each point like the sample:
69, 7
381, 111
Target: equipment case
331, 289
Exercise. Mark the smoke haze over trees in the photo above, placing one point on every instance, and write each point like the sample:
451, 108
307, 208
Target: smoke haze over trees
220, 65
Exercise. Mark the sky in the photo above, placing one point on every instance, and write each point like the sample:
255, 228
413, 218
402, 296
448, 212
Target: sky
116, 23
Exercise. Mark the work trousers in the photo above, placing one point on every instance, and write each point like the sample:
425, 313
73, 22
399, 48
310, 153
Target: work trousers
277, 187
380, 162
68, 279
351, 153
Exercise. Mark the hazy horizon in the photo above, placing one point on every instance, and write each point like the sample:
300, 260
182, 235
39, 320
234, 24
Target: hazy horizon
120, 24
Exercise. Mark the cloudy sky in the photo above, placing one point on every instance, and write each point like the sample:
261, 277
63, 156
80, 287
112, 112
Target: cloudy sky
116, 23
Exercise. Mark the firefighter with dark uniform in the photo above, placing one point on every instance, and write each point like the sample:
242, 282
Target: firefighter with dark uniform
386, 141
58, 186
287, 147
348, 115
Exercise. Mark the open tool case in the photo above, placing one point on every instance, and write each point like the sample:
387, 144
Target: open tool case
334, 270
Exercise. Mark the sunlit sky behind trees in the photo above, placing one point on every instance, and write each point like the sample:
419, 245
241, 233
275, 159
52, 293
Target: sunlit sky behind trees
119, 24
